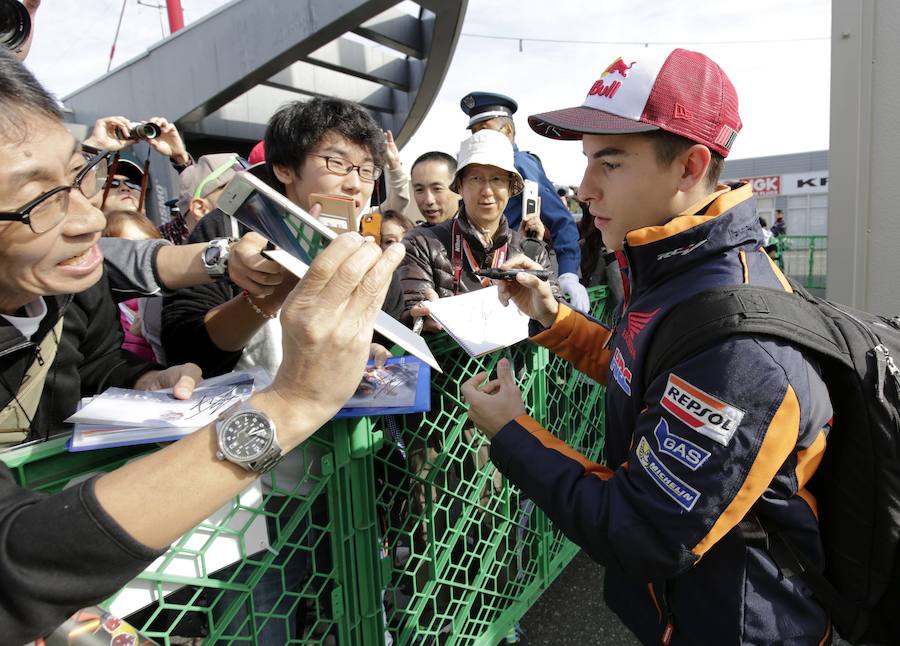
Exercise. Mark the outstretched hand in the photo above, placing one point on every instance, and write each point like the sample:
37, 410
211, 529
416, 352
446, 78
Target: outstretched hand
493, 404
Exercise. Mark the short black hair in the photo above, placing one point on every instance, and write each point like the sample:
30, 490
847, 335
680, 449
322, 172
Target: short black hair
21, 95
436, 156
298, 127
668, 146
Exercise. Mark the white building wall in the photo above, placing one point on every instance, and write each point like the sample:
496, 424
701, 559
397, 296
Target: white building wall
864, 159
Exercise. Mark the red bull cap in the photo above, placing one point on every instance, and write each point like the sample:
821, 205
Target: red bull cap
682, 92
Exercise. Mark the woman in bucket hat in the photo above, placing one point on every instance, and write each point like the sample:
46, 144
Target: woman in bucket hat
442, 260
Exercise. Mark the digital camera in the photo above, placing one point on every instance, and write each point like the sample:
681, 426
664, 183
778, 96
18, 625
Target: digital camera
15, 24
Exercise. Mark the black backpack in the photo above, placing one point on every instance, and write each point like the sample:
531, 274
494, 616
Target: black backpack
857, 485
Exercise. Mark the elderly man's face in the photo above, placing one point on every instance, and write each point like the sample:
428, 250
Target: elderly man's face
65, 258
485, 192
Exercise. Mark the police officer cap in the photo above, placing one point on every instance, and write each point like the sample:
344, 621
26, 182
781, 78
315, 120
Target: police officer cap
481, 106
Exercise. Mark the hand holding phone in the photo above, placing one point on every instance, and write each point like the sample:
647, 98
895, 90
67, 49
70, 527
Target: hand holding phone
532, 227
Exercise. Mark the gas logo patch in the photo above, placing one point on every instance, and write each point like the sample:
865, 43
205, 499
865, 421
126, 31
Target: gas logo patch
686, 452
620, 372
676, 489
702, 412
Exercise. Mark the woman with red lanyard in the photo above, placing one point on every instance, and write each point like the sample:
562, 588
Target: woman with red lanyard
442, 260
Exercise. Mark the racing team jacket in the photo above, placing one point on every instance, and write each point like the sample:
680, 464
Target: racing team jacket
563, 231
741, 425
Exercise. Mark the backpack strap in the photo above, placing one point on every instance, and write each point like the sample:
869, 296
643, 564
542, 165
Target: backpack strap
16, 416
715, 314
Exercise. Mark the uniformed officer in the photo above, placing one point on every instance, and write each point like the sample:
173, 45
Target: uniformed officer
494, 111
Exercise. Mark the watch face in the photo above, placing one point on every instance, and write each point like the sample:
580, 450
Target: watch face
211, 256
246, 436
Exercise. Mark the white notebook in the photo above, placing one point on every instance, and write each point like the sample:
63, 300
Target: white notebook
479, 322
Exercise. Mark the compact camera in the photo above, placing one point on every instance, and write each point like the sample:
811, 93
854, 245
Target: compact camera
139, 131
15, 24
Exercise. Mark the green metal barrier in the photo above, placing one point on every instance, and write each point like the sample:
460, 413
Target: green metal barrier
419, 537
804, 258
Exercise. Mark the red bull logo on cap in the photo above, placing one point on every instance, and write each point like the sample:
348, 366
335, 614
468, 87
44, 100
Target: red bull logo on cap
700, 411
609, 89
619, 67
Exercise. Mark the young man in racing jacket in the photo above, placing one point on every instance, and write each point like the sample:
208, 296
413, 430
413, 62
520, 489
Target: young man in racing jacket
731, 434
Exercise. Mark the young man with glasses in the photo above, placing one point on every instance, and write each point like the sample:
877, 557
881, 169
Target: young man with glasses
324, 146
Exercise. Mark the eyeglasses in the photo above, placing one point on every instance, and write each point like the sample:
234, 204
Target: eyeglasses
496, 182
340, 166
50, 208
116, 183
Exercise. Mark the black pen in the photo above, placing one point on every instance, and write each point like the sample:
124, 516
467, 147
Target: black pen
510, 274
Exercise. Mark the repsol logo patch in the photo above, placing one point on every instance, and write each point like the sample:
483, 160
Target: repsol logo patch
685, 451
675, 488
620, 372
714, 418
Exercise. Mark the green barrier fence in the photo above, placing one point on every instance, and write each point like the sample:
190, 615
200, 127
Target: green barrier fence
804, 258
389, 529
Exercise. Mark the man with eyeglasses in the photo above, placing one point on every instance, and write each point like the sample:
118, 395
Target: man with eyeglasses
324, 146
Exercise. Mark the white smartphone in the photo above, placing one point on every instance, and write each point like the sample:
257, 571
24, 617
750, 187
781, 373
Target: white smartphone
531, 203
261, 208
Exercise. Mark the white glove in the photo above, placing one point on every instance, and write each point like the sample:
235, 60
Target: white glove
575, 291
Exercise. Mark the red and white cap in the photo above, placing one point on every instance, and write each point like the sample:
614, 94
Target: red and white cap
682, 92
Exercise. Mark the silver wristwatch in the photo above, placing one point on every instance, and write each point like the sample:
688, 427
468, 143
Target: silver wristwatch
215, 257
246, 436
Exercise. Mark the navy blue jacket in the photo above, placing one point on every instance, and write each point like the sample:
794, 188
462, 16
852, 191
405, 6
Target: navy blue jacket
740, 425
554, 215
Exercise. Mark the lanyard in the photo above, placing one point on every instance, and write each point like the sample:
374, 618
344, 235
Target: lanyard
459, 245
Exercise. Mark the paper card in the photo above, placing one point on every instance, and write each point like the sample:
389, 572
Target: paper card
384, 323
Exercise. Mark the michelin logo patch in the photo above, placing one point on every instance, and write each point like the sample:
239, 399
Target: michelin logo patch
682, 493
620, 372
688, 453
702, 412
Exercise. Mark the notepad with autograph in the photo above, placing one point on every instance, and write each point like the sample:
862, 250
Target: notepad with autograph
123, 417
479, 322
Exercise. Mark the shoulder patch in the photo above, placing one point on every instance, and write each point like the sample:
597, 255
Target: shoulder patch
676, 489
686, 452
714, 418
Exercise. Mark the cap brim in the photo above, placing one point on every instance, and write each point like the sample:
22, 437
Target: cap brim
130, 170
572, 123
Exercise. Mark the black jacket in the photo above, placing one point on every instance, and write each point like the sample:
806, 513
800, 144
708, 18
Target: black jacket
63, 552
184, 335
428, 257
89, 359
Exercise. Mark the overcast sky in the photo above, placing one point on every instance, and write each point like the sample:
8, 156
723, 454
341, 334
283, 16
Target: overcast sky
777, 54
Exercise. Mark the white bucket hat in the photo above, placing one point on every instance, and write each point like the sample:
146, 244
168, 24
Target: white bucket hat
489, 148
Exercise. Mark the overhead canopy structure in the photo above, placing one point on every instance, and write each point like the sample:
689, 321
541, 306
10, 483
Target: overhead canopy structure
222, 77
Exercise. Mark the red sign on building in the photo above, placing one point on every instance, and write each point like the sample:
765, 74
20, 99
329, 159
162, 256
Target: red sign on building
770, 185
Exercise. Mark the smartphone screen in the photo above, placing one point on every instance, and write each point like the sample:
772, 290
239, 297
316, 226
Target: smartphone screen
262, 209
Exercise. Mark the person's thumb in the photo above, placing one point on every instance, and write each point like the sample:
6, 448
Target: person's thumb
504, 372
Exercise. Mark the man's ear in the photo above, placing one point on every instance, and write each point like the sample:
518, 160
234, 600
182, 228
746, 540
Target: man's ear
198, 208
283, 174
694, 163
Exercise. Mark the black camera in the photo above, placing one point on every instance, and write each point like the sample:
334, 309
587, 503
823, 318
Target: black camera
138, 131
15, 24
